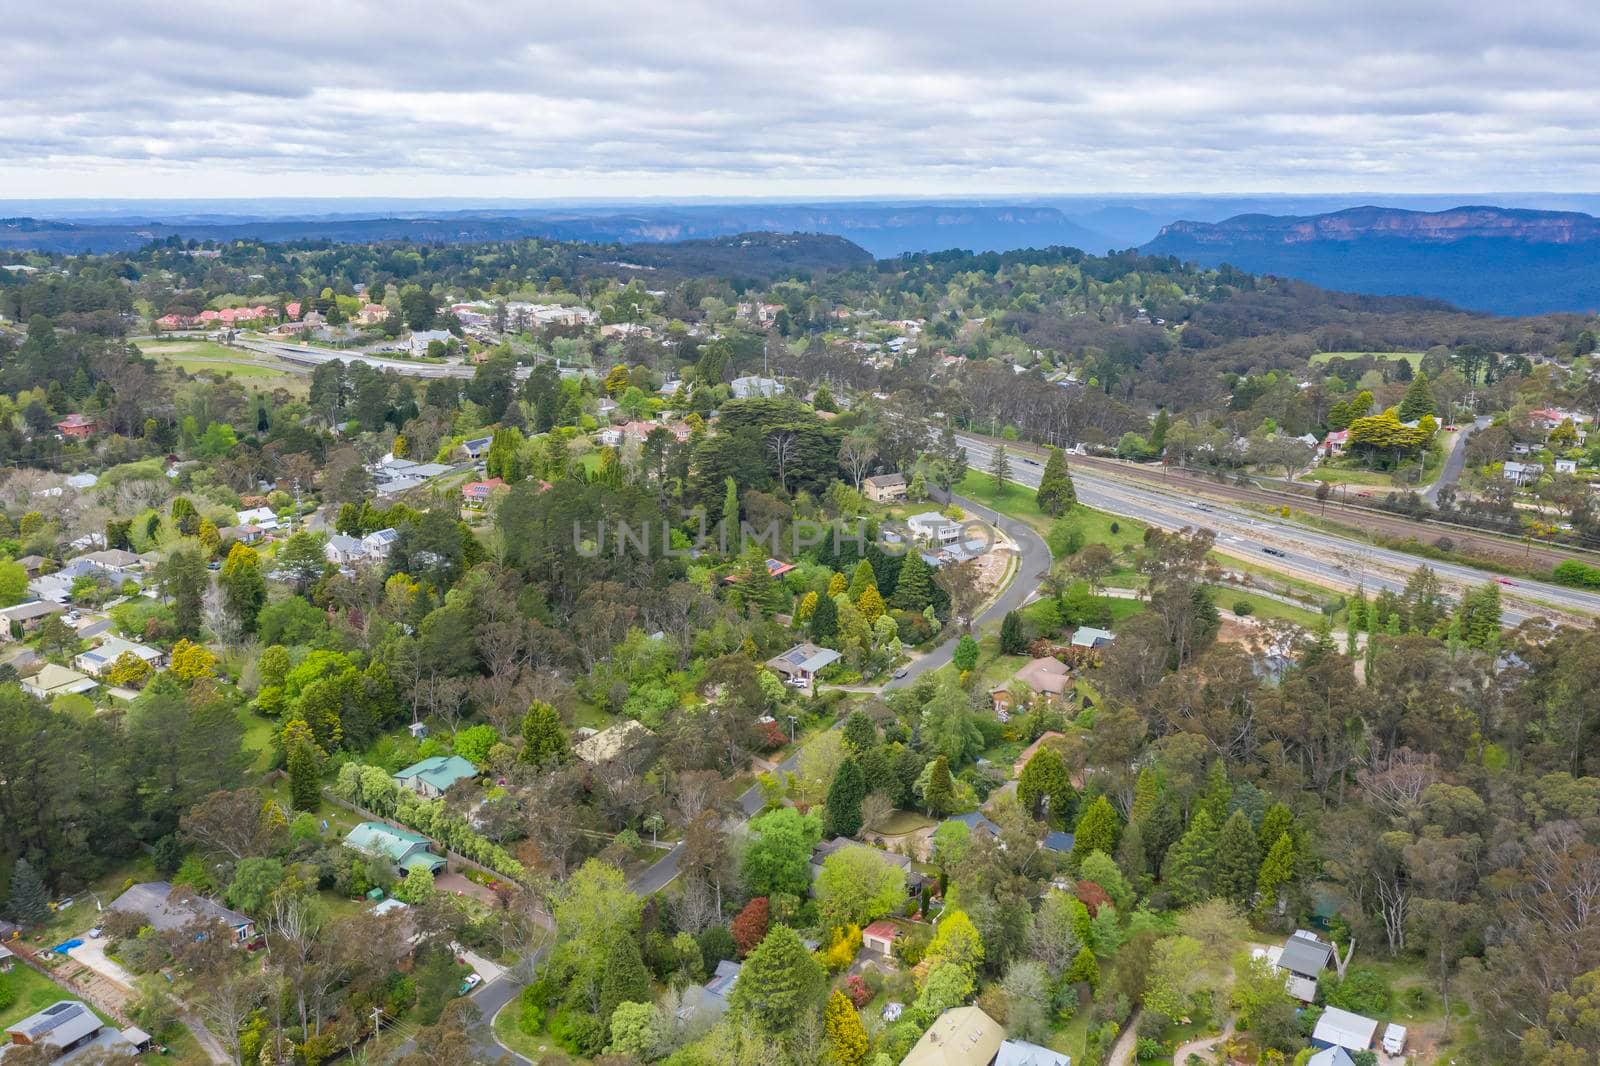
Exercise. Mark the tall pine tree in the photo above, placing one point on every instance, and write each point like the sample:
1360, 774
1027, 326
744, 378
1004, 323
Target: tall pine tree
544, 743
30, 900
1097, 830
1012, 639
624, 979
845, 794
1238, 861
825, 620
1186, 871
1418, 400
1056, 493
914, 591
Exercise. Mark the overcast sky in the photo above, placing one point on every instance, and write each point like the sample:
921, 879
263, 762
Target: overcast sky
674, 98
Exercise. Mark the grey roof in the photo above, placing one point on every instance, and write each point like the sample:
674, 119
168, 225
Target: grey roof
976, 820
884, 481
1056, 840
722, 981
1022, 1053
1345, 1029
156, 902
1305, 955
62, 1024
1333, 1056
823, 850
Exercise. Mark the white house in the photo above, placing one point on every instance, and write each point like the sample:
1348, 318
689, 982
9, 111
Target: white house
931, 527
98, 661
1342, 1028
746, 387
375, 545
421, 338
1566, 466
1523, 473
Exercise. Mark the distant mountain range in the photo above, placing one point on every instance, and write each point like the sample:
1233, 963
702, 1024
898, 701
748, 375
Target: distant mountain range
882, 229
1521, 259
1503, 260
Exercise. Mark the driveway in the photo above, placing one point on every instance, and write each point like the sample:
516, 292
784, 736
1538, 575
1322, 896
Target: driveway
92, 953
1454, 462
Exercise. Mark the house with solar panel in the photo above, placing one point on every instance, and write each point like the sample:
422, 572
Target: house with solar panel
72, 1031
407, 850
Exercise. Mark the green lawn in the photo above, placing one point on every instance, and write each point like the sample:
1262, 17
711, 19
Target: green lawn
1017, 501
258, 733
34, 993
1414, 358
508, 1033
1267, 607
197, 356
903, 822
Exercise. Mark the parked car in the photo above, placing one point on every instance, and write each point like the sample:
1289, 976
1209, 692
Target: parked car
473, 981
902, 672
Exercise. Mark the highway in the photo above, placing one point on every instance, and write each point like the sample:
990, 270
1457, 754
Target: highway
1320, 557
308, 355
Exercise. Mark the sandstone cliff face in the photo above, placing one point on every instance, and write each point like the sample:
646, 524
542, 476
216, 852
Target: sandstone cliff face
1456, 224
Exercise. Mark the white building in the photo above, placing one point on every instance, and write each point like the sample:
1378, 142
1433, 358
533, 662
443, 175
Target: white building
931, 527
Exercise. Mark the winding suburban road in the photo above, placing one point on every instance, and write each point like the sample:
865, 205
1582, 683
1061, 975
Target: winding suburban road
1324, 558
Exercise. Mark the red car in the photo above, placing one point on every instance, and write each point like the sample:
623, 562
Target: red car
1506, 581
1449, 429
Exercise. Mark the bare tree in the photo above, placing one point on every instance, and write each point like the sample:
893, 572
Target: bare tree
782, 445
856, 455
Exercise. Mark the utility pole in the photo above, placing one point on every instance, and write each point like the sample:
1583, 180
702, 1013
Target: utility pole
377, 1021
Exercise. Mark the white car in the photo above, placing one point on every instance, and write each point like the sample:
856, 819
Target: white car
797, 682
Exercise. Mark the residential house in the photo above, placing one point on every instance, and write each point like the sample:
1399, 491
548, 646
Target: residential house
7, 959
53, 681
637, 430
32, 564
1048, 677
1345, 1029
977, 822
1331, 1056
26, 617
880, 937
343, 550
1336, 442
606, 407
803, 662
264, 518
407, 850
433, 776
72, 1032
1091, 638
375, 546
166, 908
77, 427
931, 527
1566, 466
1302, 959
1022, 1053
884, 488
421, 338
245, 534
1031, 750
820, 853
97, 661
713, 997
752, 386
476, 494
116, 560
610, 437
477, 447
1522, 473
961, 1036
1059, 842
607, 744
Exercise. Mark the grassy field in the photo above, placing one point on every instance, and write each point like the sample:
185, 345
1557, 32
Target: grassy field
257, 738
1017, 501
1267, 607
507, 1032
1413, 358
34, 993
197, 356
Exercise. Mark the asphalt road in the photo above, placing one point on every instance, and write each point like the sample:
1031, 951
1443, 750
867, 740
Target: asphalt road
1454, 462
1297, 550
308, 355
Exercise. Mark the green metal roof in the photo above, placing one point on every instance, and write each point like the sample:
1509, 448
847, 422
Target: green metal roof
376, 838
440, 771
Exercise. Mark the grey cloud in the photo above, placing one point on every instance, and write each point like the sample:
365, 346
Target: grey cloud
627, 97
